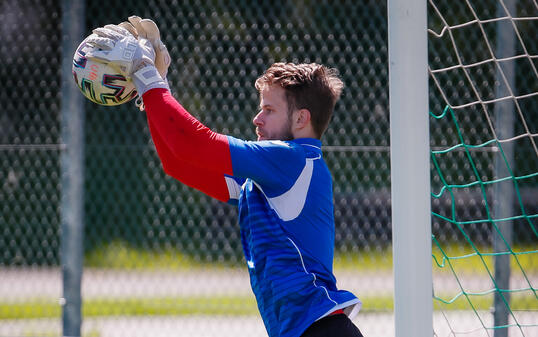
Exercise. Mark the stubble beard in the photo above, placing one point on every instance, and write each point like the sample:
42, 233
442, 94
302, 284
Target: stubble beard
285, 134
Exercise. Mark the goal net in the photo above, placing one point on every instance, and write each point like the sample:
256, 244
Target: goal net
483, 93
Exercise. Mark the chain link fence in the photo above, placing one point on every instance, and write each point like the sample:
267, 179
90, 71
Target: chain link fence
159, 257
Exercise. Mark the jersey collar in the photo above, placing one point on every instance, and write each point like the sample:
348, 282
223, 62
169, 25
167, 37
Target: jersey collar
312, 144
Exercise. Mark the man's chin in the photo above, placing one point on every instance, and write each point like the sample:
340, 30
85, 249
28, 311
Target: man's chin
264, 137
284, 137
288, 138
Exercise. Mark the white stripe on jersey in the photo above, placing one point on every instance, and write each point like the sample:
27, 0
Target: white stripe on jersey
309, 273
290, 204
233, 188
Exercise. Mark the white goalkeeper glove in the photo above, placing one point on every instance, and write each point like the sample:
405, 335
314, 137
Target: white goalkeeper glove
134, 58
147, 29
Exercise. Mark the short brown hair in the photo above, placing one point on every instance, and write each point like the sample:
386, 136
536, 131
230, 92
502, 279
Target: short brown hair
309, 86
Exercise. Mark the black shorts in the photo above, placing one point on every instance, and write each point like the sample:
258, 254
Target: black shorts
333, 326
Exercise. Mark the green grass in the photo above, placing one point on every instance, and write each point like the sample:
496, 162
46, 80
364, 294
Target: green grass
196, 305
467, 260
119, 255
215, 306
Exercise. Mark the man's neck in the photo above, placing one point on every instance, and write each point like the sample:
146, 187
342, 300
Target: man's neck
306, 132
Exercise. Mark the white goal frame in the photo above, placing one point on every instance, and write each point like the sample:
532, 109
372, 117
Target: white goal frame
410, 170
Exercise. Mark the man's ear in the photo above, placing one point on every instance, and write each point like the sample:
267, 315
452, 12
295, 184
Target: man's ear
302, 118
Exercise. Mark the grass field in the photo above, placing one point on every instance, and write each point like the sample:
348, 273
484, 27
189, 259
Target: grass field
222, 305
119, 256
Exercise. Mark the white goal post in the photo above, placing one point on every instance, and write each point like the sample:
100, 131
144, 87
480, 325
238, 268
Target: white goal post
410, 170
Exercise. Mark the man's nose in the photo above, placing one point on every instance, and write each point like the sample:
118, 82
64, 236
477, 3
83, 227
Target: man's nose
258, 120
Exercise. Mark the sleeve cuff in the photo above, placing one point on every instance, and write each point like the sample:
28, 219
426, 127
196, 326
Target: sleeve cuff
148, 78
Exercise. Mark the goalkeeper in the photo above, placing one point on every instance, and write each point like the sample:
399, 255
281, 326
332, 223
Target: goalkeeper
280, 183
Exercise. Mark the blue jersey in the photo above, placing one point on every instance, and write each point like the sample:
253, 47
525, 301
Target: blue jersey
284, 194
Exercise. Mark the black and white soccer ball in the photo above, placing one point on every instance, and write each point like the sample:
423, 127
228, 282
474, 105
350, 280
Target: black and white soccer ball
99, 82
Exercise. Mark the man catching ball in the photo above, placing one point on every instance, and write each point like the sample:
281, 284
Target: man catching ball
280, 183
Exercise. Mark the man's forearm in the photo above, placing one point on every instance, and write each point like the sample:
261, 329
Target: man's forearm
207, 181
188, 139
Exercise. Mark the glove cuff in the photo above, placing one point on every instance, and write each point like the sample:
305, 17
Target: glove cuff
148, 78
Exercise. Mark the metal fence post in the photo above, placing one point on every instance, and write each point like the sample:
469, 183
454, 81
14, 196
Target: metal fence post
504, 192
72, 166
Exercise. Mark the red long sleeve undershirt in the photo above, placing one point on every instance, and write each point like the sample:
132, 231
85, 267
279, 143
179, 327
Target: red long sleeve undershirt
189, 151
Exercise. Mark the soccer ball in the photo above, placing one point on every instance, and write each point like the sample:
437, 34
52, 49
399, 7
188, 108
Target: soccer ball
100, 82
